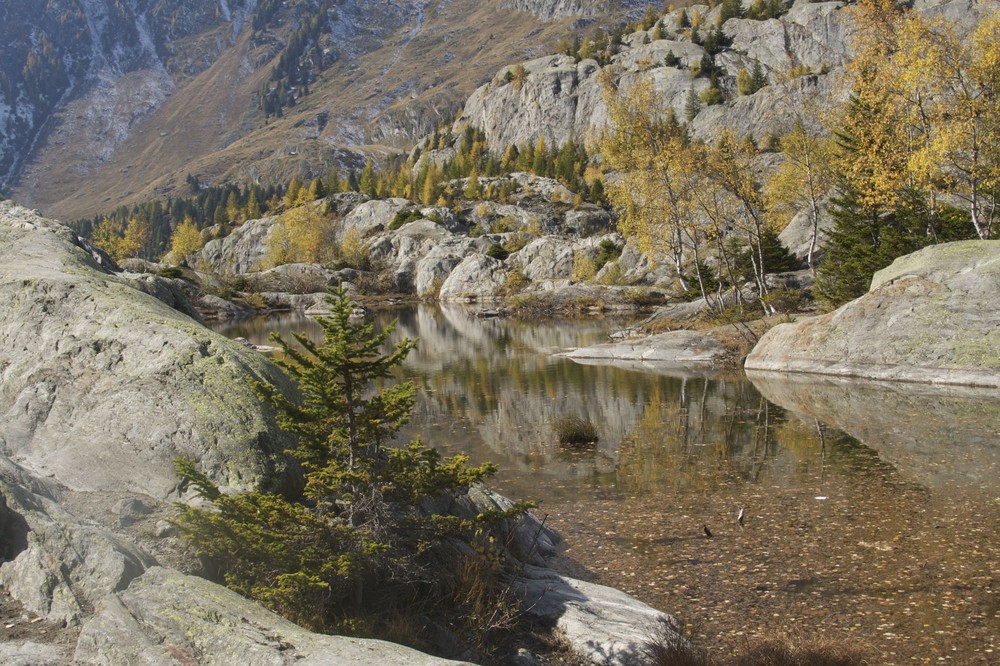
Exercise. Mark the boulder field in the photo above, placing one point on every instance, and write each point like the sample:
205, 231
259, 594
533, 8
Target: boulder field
929, 317
103, 381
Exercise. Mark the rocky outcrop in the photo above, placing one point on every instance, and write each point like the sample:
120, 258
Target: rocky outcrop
549, 10
57, 565
604, 625
241, 251
165, 617
477, 277
559, 99
798, 235
103, 385
928, 317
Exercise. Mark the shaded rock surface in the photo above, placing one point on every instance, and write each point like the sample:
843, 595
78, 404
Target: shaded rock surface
929, 317
166, 617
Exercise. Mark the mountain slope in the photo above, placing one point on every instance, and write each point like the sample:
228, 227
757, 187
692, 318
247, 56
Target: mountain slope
136, 94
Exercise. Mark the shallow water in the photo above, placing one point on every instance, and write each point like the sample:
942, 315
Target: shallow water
872, 510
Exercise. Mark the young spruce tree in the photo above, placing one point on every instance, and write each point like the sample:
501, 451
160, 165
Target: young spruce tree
358, 543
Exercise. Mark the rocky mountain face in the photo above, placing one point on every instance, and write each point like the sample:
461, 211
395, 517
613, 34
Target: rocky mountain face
54, 52
111, 101
560, 98
801, 54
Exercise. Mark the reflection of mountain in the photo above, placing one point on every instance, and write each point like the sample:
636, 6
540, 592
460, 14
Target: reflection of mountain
935, 435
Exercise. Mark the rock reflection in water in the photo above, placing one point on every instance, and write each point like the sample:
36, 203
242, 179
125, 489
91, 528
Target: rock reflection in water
933, 435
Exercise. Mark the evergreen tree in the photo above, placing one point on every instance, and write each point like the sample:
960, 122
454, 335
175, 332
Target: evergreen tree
866, 238
358, 540
253, 211
691, 105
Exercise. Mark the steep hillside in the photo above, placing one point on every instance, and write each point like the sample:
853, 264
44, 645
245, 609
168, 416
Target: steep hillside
104, 102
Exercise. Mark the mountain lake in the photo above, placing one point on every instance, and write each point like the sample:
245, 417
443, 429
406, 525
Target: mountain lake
871, 510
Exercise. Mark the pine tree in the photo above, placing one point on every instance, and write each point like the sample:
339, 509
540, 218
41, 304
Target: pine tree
691, 105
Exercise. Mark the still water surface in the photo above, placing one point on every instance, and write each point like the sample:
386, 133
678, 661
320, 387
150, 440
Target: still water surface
873, 510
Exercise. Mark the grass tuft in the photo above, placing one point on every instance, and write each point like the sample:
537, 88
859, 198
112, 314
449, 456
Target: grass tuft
573, 430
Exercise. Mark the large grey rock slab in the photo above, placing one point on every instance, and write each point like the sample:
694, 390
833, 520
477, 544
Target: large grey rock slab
102, 386
57, 565
930, 317
601, 624
677, 348
165, 618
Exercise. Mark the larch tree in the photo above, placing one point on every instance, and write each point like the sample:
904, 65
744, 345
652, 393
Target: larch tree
106, 237
137, 239
803, 180
653, 191
185, 240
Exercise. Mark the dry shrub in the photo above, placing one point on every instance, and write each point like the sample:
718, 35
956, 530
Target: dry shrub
670, 649
782, 649
773, 649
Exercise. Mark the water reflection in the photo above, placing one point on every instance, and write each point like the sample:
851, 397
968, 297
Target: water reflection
492, 389
935, 435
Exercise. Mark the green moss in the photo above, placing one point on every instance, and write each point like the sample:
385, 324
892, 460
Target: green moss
978, 350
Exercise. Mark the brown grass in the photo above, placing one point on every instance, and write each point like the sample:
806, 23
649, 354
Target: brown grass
769, 649
575, 431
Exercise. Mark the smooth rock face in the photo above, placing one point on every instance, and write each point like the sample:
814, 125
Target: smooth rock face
676, 348
931, 317
165, 618
101, 386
